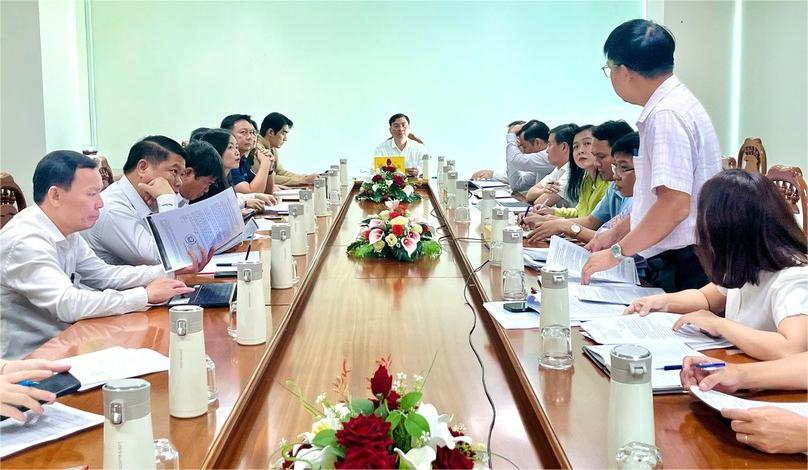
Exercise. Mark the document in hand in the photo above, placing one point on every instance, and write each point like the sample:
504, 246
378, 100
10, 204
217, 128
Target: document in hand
663, 353
720, 401
99, 367
213, 223
656, 326
574, 257
612, 293
58, 421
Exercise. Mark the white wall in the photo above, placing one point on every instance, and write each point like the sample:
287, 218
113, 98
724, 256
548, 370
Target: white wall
22, 120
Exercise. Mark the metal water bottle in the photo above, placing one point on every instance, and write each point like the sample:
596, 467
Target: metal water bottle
283, 266
462, 201
499, 222
251, 327
487, 205
343, 172
631, 401
297, 222
187, 371
425, 167
512, 249
320, 201
308, 210
128, 436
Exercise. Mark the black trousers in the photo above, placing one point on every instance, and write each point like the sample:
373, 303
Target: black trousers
675, 270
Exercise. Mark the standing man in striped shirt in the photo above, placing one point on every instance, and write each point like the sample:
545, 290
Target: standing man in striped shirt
678, 152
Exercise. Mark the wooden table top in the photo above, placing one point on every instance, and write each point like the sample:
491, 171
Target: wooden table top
360, 311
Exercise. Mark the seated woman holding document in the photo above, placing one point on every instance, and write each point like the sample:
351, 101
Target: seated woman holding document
766, 428
755, 257
225, 143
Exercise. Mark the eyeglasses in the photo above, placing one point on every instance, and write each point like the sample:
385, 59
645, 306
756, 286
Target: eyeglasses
620, 171
607, 69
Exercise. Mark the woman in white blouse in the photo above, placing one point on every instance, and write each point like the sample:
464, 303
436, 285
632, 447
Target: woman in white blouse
754, 254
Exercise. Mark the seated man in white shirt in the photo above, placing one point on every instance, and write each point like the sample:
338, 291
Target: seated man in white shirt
151, 180
402, 144
525, 156
550, 190
49, 277
203, 168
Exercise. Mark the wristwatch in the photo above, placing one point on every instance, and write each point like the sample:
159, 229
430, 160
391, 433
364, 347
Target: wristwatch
575, 229
617, 251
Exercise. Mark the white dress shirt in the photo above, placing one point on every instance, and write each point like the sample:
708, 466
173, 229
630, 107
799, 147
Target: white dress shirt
413, 152
121, 235
523, 170
562, 176
679, 150
44, 281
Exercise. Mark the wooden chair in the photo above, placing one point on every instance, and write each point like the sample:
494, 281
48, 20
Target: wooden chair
752, 156
728, 163
790, 182
11, 198
105, 170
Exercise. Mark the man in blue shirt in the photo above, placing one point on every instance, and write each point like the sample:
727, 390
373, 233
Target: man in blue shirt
612, 204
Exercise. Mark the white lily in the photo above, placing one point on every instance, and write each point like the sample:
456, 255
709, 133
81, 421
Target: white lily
439, 434
408, 190
419, 458
315, 458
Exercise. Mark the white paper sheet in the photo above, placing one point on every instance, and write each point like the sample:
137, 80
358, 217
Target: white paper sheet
228, 258
99, 367
581, 311
56, 422
279, 208
613, 293
574, 257
264, 224
663, 353
213, 223
536, 254
656, 326
288, 194
515, 320
484, 184
720, 401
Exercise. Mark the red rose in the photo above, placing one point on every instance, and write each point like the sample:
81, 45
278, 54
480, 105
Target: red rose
399, 181
376, 178
403, 207
451, 459
367, 457
365, 431
393, 215
382, 382
398, 230
392, 400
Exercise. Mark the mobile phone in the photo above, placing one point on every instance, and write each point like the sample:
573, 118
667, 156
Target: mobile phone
517, 307
61, 384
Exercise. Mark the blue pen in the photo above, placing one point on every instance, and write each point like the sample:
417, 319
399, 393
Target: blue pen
27, 383
703, 365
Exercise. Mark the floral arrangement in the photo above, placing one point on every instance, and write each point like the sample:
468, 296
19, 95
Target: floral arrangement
392, 429
394, 233
386, 185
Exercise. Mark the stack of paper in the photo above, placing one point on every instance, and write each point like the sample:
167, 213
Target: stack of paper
279, 208
485, 184
56, 422
654, 327
614, 293
720, 401
663, 353
226, 261
99, 367
574, 257
581, 311
287, 194
502, 194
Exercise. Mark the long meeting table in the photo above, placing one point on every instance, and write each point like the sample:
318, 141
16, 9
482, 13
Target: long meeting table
347, 312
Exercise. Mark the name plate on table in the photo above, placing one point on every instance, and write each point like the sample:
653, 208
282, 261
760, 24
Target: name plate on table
397, 162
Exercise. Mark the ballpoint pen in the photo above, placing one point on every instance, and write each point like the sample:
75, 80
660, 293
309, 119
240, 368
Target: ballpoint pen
703, 365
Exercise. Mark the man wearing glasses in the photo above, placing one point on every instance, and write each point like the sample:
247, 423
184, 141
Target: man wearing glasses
678, 152
260, 177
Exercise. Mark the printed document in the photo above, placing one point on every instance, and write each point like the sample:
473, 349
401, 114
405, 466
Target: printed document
656, 326
213, 223
56, 422
612, 293
99, 367
574, 257
720, 401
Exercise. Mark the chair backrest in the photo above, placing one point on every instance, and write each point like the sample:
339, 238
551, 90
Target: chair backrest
11, 198
728, 163
752, 156
105, 170
791, 183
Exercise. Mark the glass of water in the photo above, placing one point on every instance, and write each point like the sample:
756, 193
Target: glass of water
232, 329
166, 456
513, 285
556, 347
639, 456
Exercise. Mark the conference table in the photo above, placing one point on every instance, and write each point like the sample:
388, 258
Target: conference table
347, 314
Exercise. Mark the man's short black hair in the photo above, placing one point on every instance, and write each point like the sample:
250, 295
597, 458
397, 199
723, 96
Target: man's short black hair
230, 121
197, 132
535, 130
629, 144
396, 116
204, 160
154, 149
274, 121
610, 131
58, 168
515, 123
643, 46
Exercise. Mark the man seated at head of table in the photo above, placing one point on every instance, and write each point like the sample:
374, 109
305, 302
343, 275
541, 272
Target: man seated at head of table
273, 134
49, 276
150, 183
755, 257
616, 139
526, 161
552, 189
402, 144
767, 428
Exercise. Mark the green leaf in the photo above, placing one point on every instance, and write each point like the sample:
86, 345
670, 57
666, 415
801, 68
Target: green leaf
363, 406
416, 425
326, 437
394, 418
409, 400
